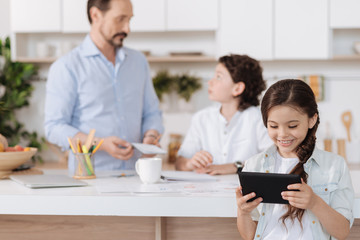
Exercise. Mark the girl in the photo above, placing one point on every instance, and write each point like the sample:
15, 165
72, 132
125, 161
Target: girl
221, 138
322, 208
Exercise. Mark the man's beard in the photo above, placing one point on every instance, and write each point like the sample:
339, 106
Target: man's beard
112, 42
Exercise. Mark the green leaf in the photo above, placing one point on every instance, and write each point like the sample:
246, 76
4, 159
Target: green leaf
16, 78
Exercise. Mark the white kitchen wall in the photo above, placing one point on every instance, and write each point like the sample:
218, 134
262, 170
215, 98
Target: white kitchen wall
4, 18
342, 86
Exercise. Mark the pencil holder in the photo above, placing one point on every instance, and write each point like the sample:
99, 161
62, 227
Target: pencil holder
84, 166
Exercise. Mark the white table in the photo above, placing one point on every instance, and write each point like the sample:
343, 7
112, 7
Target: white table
157, 212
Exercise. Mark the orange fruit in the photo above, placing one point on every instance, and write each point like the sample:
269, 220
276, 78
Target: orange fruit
1, 147
3, 141
27, 149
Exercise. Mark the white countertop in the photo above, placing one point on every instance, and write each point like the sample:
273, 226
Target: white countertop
18, 199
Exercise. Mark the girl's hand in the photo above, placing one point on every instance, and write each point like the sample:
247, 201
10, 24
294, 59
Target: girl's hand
200, 160
244, 207
218, 169
305, 198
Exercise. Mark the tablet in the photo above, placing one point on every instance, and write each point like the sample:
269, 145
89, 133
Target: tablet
267, 185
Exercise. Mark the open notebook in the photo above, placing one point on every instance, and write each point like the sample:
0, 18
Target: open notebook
47, 181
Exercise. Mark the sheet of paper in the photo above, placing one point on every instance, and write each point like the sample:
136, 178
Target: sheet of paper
187, 176
139, 188
148, 148
187, 188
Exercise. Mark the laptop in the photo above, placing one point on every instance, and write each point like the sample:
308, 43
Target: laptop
47, 181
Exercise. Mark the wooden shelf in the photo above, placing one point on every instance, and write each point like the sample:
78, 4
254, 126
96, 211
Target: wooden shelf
346, 57
173, 59
151, 59
36, 60
154, 59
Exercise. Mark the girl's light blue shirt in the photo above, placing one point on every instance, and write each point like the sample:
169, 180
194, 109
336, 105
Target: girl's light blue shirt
329, 178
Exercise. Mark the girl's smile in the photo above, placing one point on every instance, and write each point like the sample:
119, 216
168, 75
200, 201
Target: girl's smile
288, 127
285, 143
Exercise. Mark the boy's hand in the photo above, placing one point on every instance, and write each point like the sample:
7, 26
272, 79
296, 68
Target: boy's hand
199, 160
218, 169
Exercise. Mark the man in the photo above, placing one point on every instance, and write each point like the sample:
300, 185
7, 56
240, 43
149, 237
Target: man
104, 86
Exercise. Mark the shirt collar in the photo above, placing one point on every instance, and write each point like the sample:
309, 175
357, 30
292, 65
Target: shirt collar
315, 157
271, 152
223, 119
89, 49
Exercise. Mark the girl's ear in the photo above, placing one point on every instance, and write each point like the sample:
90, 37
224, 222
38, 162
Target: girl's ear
313, 120
238, 89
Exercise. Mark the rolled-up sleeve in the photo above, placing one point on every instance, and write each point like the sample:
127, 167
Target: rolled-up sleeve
152, 116
60, 102
342, 200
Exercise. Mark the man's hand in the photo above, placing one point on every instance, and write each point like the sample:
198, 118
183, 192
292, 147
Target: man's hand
152, 137
117, 147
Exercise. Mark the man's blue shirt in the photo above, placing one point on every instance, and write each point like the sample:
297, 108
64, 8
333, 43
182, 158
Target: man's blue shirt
84, 91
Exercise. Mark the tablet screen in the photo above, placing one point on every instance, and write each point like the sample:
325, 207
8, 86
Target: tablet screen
267, 185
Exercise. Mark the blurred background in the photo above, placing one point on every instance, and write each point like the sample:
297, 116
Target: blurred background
317, 41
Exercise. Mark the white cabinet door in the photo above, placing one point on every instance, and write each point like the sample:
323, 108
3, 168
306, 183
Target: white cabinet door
345, 13
149, 15
35, 15
246, 28
75, 16
192, 15
301, 29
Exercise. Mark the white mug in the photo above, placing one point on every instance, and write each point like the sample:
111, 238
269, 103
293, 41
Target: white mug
149, 169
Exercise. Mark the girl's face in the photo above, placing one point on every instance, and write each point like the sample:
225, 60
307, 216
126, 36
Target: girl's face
222, 88
287, 127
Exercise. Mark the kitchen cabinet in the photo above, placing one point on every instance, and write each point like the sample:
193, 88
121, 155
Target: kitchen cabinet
344, 14
35, 15
301, 29
145, 20
174, 15
74, 16
246, 28
192, 15
345, 28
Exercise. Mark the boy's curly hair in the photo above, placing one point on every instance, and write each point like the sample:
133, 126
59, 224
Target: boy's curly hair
243, 68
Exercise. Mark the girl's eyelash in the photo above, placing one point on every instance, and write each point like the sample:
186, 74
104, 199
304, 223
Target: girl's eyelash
293, 126
273, 126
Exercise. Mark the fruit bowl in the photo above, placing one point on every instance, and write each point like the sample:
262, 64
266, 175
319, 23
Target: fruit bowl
11, 160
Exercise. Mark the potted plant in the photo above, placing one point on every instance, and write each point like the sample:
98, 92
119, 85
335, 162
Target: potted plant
170, 87
186, 86
163, 83
15, 90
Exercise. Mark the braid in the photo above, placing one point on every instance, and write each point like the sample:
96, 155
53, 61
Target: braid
304, 152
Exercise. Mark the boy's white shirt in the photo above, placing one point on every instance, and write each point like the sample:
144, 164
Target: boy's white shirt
329, 178
228, 142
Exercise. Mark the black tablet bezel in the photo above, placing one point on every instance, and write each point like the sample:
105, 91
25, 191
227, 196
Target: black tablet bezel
267, 185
